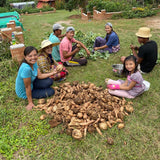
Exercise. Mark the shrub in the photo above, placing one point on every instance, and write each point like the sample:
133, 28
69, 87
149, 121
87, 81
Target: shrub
2, 9
59, 5
139, 13
2, 3
15, 9
28, 9
5, 50
109, 6
46, 8
71, 4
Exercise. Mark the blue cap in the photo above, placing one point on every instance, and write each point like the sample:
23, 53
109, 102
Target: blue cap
70, 29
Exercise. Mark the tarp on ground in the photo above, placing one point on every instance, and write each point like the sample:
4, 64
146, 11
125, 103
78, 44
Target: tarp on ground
8, 16
22, 5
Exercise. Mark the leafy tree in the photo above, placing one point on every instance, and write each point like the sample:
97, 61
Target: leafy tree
2, 3
72, 4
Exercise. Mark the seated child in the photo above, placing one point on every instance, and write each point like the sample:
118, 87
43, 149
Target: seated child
133, 86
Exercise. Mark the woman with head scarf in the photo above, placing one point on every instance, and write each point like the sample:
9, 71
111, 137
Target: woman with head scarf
109, 43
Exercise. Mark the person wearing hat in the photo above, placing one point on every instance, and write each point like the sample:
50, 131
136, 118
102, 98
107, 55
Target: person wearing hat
55, 37
147, 53
46, 63
109, 43
30, 82
67, 51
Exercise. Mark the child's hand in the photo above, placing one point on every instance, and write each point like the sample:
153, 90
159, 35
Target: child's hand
113, 86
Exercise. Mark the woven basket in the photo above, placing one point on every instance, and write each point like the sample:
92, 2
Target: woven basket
19, 37
18, 29
12, 21
17, 52
8, 32
11, 25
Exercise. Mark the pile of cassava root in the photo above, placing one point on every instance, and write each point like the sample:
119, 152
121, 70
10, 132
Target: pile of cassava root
83, 107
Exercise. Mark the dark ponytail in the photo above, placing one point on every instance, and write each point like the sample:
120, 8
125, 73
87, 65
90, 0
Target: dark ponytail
27, 51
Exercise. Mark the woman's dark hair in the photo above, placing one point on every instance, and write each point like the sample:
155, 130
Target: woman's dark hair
107, 35
131, 58
27, 51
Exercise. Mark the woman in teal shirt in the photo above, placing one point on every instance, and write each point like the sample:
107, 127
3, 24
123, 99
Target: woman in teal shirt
30, 82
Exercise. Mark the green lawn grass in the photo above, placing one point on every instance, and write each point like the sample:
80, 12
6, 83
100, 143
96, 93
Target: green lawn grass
24, 136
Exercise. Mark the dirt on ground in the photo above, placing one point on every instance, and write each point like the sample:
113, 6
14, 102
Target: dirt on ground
69, 22
153, 23
75, 17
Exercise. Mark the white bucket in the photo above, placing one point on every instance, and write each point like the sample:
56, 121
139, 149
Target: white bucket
147, 85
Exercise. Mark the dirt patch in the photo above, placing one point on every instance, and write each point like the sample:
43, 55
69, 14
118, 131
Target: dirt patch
75, 17
46, 25
69, 22
153, 23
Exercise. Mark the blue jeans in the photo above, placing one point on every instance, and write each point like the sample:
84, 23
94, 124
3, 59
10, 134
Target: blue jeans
42, 88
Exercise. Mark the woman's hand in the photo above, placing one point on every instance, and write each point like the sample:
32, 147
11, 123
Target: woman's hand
30, 106
88, 52
132, 47
54, 72
96, 48
77, 49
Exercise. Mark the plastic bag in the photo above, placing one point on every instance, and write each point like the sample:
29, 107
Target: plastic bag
147, 85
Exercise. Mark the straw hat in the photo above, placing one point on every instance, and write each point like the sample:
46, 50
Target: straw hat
144, 32
46, 43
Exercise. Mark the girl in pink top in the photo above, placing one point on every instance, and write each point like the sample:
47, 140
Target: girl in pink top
133, 86
67, 52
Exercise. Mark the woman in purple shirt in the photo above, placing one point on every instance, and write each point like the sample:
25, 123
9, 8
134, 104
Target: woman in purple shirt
109, 43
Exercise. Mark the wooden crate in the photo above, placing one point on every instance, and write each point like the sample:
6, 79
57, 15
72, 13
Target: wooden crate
19, 37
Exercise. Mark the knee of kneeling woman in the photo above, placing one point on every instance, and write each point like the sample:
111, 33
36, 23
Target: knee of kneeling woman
83, 61
50, 92
49, 81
